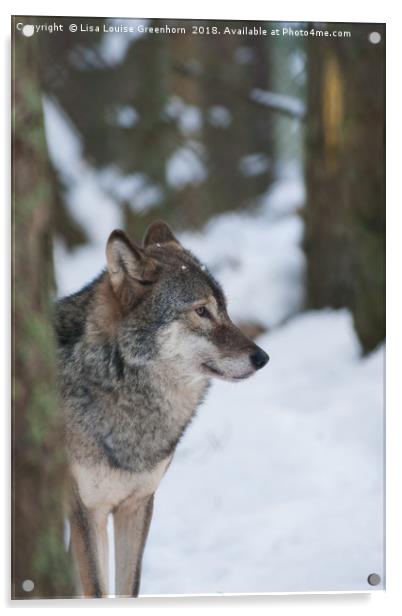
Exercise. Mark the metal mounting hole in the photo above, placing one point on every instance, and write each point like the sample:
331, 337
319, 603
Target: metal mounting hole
374, 37
28, 30
28, 585
374, 579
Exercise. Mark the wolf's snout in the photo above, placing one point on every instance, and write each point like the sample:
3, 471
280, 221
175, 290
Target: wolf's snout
259, 359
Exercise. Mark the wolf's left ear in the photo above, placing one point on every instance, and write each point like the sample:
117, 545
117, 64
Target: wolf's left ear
159, 233
130, 269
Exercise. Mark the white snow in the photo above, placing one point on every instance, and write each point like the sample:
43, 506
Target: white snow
188, 117
136, 188
219, 116
114, 45
297, 65
282, 102
277, 485
285, 196
254, 164
185, 166
124, 116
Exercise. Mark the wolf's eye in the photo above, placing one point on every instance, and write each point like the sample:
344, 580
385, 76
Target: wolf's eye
203, 312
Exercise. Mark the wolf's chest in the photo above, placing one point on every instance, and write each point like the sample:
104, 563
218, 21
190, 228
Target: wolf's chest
134, 429
102, 487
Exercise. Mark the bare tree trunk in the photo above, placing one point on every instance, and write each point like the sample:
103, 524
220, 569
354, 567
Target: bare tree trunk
38, 464
345, 179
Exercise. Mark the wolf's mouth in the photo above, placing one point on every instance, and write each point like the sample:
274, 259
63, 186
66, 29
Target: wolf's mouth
212, 370
215, 372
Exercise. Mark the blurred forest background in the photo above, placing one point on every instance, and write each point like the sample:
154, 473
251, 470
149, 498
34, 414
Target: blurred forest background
183, 128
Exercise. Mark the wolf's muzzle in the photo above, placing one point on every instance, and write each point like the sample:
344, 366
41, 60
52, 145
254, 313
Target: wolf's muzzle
259, 359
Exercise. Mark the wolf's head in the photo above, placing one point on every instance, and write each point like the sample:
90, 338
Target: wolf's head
170, 308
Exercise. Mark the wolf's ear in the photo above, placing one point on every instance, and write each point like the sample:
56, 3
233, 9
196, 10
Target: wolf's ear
159, 233
128, 263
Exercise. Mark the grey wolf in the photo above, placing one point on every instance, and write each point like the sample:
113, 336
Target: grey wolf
137, 348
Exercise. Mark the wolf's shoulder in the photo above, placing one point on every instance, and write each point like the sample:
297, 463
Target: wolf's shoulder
70, 314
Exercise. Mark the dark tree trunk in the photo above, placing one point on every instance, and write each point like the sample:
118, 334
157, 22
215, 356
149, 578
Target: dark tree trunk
38, 463
345, 178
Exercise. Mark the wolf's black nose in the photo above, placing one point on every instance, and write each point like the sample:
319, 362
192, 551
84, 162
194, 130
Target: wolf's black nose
259, 359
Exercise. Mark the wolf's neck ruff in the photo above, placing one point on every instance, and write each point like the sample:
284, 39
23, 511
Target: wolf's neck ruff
130, 416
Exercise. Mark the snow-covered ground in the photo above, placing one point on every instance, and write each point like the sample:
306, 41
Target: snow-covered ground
277, 485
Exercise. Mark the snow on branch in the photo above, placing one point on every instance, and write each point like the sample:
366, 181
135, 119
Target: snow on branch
279, 102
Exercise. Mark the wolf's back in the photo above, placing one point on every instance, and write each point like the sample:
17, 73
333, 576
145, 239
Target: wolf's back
70, 315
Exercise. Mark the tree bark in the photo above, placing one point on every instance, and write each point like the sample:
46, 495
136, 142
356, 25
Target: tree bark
38, 463
345, 178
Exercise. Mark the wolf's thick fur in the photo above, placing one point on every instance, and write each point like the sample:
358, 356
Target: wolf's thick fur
137, 349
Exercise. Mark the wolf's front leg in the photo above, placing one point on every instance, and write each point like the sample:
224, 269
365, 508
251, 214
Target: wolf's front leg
89, 544
131, 525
